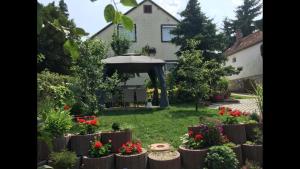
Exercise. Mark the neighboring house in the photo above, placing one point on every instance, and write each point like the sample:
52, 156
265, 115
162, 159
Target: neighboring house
152, 27
246, 53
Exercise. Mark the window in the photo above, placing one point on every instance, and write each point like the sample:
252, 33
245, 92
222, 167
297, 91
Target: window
147, 8
166, 36
233, 60
130, 35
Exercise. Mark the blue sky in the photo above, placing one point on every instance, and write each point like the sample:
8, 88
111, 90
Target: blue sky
89, 15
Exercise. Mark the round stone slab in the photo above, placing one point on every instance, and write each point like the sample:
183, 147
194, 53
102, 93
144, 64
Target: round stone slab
160, 147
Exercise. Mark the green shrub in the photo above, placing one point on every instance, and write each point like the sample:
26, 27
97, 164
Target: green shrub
115, 126
221, 157
230, 144
63, 160
258, 137
212, 135
251, 165
79, 108
58, 122
254, 116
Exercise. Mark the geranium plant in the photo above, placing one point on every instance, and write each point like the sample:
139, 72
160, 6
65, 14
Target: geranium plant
130, 148
87, 125
231, 115
99, 149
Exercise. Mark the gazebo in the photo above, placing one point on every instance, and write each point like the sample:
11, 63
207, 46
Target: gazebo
136, 63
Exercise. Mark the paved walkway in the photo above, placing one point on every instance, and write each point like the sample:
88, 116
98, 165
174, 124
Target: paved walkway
247, 105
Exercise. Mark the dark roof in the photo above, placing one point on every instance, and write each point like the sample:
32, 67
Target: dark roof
132, 10
244, 43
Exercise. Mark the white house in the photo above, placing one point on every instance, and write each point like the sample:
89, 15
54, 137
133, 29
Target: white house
246, 52
152, 27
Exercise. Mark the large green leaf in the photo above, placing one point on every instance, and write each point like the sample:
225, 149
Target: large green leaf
39, 18
129, 2
118, 17
81, 32
109, 13
127, 22
71, 48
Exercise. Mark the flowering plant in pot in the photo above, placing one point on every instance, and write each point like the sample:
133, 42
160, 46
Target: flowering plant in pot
99, 156
252, 149
131, 155
85, 129
117, 135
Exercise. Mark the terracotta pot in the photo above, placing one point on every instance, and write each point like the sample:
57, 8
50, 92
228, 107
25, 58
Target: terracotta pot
164, 160
238, 152
117, 137
80, 144
249, 130
235, 132
253, 153
43, 151
192, 159
106, 162
135, 161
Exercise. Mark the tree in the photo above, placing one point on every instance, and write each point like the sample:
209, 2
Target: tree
197, 26
119, 45
229, 32
63, 7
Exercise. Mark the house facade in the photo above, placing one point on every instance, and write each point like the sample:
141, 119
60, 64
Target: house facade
246, 53
152, 27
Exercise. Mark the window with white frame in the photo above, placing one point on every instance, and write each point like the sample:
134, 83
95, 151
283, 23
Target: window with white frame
166, 35
129, 35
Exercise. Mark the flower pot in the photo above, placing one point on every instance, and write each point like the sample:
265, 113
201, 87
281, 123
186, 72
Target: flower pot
164, 160
106, 162
192, 159
61, 143
238, 152
80, 144
253, 153
235, 133
135, 161
249, 130
117, 138
195, 129
43, 151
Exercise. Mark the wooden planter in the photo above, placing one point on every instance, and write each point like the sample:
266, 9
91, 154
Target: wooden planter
117, 137
192, 159
164, 160
61, 143
253, 153
42, 151
136, 161
249, 130
106, 162
80, 144
238, 152
235, 133
194, 129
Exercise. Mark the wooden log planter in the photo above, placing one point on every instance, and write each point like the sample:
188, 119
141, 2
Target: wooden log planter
164, 160
235, 133
80, 144
195, 129
192, 159
43, 151
253, 153
238, 152
117, 138
249, 130
61, 143
135, 161
106, 162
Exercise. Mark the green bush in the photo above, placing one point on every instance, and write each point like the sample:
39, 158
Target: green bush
212, 135
57, 122
221, 157
115, 126
79, 108
63, 160
254, 116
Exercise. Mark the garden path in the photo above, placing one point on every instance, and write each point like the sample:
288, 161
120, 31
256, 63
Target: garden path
248, 105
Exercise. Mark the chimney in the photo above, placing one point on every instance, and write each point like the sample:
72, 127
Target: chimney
238, 35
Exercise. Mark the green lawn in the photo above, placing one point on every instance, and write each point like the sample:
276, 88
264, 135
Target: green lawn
157, 125
235, 96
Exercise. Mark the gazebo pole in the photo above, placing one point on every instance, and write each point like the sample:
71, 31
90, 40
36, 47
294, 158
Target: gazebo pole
154, 82
164, 101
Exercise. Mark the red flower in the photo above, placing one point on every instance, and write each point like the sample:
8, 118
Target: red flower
93, 122
128, 150
190, 133
80, 120
66, 107
98, 144
229, 109
221, 112
198, 137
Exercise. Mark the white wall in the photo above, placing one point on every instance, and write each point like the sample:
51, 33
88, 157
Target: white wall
148, 31
251, 61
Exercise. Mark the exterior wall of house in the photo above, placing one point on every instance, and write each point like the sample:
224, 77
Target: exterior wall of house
148, 32
251, 61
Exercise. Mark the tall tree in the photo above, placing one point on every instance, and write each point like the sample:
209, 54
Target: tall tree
197, 26
63, 7
229, 32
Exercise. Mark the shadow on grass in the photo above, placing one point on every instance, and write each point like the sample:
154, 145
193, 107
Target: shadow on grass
128, 112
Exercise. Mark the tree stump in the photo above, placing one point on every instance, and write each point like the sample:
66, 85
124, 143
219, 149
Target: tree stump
192, 159
249, 130
235, 133
81, 143
117, 138
106, 162
164, 160
238, 152
253, 153
135, 161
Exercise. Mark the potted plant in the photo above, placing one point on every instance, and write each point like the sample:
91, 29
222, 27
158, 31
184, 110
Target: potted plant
85, 132
233, 129
117, 136
221, 157
64, 160
99, 156
132, 156
195, 145
252, 149
252, 123
237, 149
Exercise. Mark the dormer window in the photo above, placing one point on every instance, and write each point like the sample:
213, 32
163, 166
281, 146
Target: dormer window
147, 8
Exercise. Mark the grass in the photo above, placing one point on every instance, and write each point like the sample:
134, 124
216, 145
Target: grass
157, 125
233, 96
